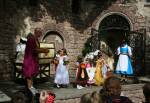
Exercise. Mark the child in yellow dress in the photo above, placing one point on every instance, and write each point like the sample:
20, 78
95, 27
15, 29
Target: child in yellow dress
98, 72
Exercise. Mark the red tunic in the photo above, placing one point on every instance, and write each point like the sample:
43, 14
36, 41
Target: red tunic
30, 64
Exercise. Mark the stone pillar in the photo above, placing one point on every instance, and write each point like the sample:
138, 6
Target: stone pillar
7, 35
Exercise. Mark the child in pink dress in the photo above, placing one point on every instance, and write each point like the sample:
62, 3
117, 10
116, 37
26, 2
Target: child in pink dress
90, 71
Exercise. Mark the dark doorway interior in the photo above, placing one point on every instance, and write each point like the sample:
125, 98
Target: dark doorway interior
112, 30
113, 38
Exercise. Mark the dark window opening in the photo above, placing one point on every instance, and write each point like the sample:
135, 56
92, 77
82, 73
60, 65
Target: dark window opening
75, 6
33, 2
148, 1
114, 22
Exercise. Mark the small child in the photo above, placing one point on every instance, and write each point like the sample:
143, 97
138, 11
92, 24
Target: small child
110, 62
99, 71
46, 97
55, 61
82, 76
90, 71
62, 75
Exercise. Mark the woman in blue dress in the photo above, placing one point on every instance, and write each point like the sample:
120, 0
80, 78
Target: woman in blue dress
124, 66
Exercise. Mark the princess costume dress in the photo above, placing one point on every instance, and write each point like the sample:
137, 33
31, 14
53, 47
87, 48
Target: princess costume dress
98, 72
124, 63
62, 75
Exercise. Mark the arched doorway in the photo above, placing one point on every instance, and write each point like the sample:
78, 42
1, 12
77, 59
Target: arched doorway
54, 37
112, 30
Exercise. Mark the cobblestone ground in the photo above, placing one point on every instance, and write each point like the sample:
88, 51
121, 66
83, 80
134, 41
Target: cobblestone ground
72, 95
133, 91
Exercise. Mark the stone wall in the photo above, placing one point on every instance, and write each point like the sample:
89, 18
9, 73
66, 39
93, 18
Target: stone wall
74, 38
6, 49
144, 9
138, 16
134, 92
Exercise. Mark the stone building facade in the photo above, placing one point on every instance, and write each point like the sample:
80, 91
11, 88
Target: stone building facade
69, 34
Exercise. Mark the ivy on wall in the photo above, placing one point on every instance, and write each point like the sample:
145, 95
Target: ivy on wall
87, 47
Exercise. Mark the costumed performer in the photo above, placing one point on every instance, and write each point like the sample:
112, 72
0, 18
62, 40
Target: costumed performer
31, 62
124, 66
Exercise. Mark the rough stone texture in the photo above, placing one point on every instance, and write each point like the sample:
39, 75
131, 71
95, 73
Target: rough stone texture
138, 14
6, 49
134, 92
72, 95
76, 100
74, 39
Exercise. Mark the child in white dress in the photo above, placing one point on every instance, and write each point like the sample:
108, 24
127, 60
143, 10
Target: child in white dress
62, 75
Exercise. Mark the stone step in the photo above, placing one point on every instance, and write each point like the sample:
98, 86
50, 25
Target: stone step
4, 98
144, 79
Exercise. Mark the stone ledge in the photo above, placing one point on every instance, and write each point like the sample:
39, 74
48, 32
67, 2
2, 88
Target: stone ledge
4, 97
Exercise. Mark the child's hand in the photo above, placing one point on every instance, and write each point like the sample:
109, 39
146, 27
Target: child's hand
43, 96
107, 66
108, 69
46, 50
56, 61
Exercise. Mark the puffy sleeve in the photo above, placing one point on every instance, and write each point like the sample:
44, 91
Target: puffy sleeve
118, 50
57, 57
66, 58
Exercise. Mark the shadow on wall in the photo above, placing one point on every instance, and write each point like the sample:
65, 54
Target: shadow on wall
80, 13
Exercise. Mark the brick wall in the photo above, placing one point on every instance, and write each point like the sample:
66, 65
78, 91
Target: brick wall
6, 50
74, 38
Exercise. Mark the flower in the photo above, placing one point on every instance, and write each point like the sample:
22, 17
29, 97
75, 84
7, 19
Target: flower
96, 52
66, 60
82, 65
91, 55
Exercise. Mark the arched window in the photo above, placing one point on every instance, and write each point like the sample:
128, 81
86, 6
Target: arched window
114, 22
75, 5
54, 37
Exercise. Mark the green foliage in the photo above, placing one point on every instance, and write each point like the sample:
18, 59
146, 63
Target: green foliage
60, 10
80, 58
87, 47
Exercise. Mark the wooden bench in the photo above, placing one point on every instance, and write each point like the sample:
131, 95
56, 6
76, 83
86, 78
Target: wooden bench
44, 62
44, 70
